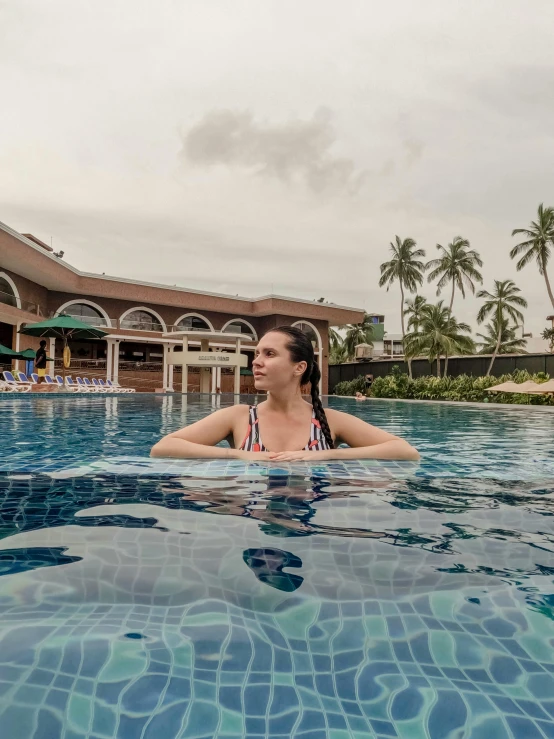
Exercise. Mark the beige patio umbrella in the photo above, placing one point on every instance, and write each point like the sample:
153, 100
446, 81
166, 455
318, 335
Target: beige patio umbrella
504, 387
544, 387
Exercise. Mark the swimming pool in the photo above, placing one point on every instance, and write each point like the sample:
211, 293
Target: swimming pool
153, 598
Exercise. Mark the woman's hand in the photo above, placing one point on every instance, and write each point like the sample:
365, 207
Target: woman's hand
250, 456
301, 456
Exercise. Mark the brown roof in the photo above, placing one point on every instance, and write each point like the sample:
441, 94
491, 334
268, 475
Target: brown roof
38, 241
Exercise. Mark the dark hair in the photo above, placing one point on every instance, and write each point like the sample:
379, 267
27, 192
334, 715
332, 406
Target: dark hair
43, 343
301, 350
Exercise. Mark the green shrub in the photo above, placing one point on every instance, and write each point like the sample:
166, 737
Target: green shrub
462, 388
351, 387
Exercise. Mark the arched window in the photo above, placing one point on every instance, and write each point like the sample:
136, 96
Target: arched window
310, 332
239, 326
141, 320
85, 313
193, 323
8, 295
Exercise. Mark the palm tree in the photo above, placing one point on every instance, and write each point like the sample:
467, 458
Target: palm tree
408, 270
510, 342
335, 339
413, 311
457, 264
538, 244
338, 354
503, 302
439, 334
358, 333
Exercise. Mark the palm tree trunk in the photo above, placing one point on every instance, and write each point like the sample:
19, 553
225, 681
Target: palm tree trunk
438, 366
548, 287
452, 298
404, 331
445, 366
496, 348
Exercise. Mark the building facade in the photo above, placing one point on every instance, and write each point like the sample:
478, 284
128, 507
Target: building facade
140, 317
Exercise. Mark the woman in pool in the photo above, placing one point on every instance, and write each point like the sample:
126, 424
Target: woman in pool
291, 428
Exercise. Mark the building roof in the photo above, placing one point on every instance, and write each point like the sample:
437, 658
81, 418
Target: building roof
25, 257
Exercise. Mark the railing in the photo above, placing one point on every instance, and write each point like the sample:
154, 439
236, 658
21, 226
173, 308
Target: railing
148, 326
26, 305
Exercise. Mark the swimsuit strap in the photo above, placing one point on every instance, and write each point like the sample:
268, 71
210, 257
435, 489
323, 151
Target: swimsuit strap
252, 441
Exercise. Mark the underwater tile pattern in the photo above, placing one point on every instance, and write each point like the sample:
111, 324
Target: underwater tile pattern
144, 598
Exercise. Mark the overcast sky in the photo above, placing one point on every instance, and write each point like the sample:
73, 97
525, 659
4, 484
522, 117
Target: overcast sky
260, 146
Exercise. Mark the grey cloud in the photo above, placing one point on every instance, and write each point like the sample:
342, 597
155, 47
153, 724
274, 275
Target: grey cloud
290, 151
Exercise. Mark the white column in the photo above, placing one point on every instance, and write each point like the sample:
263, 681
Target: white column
184, 387
17, 340
109, 358
165, 372
237, 371
214, 378
52, 353
170, 378
218, 381
115, 377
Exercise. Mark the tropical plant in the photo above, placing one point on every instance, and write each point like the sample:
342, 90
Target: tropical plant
539, 240
358, 333
338, 354
439, 334
457, 265
335, 339
503, 302
461, 388
548, 334
413, 312
510, 342
406, 268
351, 387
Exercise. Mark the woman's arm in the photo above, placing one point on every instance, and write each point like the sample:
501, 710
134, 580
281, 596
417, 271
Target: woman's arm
364, 442
198, 441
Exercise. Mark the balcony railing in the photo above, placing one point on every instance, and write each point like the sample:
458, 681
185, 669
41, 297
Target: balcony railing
26, 305
129, 325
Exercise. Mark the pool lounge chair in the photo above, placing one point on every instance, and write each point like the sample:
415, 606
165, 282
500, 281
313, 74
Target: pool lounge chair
22, 387
22, 377
83, 387
98, 386
6, 387
49, 380
70, 386
117, 387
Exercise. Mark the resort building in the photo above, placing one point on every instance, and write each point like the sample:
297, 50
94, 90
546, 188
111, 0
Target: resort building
148, 324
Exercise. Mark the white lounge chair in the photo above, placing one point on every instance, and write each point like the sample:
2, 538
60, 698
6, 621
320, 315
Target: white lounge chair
24, 380
117, 387
98, 386
22, 387
50, 381
71, 386
6, 387
83, 387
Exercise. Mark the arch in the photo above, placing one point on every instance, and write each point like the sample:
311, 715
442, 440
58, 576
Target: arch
90, 303
319, 346
246, 323
146, 310
195, 315
13, 286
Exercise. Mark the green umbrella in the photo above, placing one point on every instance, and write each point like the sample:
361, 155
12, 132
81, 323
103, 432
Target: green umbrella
63, 327
6, 352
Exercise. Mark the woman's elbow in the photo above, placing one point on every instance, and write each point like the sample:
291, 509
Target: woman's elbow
157, 450
409, 453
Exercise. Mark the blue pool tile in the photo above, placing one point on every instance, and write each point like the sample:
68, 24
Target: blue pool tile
383, 728
448, 714
523, 728
407, 704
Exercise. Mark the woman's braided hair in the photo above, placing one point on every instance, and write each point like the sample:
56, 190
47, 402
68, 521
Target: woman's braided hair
301, 350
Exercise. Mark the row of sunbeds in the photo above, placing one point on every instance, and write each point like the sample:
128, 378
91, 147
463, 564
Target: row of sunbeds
21, 383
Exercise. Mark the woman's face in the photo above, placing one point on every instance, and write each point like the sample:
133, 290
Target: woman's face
272, 366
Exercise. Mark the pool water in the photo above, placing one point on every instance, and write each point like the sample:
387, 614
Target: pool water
161, 599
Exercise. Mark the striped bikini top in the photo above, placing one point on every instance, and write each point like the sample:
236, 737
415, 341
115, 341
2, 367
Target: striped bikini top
253, 442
